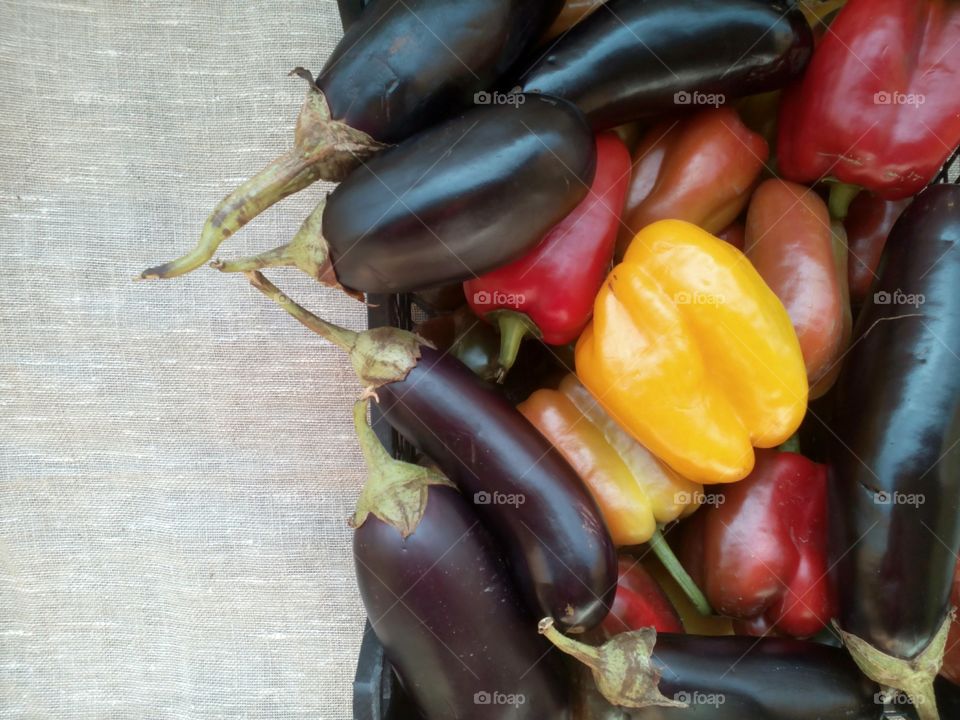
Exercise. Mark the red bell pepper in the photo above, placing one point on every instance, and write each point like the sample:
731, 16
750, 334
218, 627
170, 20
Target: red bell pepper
639, 603
701, 169
760, 554
951, 658
868, 223
549, 292
878, 106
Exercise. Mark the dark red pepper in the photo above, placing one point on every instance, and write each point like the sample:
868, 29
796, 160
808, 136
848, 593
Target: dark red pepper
640, 602
759, 551
878, 106
549, 292
869, 222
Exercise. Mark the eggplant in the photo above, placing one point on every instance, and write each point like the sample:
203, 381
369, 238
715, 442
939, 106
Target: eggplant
451, 203
664, 676
402, 67
542, 517
894, 463
632, 59
350, 11
440, 600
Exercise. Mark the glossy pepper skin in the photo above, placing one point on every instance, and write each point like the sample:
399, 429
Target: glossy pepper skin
639, 603
760, 551
430, 636
791, 243
631, 60
878, 106
549, 292
869, 221
665, 354
701, 169
634, 490
895, 460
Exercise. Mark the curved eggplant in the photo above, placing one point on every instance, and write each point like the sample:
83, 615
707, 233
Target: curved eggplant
895, 461
534, 504
635, 58
440, 600
400, 68
524, 491
451, 203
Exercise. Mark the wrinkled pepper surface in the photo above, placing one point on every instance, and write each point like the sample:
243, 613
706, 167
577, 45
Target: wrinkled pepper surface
869, 221
878, 106
693, 354
760, 551
803, 258
701, 169
634, 490
549, 292
640, 602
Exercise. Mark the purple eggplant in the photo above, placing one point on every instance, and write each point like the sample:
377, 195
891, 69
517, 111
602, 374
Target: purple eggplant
633, 59
440, 601
400, 68
451, 203
539, 512
895, 452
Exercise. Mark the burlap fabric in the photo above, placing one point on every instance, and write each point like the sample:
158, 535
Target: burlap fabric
177, 461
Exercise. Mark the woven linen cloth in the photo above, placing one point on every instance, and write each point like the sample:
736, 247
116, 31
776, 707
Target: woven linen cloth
177, 459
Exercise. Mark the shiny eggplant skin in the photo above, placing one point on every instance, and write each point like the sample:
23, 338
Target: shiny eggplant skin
402, 66
442, 605
350, 11
760, 679
461, 198
524, 491
631, 58
895, 461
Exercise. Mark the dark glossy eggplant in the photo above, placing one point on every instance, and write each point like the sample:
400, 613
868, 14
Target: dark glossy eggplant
451, 203
526, 494
440, 599
400, 68
895, 459
632, 59
722, 678
522, 488
350, 11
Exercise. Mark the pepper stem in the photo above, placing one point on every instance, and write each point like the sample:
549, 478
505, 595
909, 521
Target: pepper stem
622, 667
395, 491
791, 444
379, 355
841, 195
514, 327
665, 554
324, 148
914, 677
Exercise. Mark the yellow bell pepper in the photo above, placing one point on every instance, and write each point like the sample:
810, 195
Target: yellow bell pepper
634, 490
693, 354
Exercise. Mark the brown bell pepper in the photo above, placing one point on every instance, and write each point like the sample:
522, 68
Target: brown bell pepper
700, 169
803, 258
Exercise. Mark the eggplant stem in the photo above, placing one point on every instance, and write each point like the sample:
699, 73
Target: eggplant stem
666, 556
587, 654
324, 148
341, 337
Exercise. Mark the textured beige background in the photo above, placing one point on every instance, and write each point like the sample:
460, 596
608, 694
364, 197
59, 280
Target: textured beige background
176, 460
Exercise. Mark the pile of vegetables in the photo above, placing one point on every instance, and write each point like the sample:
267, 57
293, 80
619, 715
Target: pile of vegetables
686, 409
